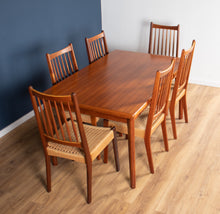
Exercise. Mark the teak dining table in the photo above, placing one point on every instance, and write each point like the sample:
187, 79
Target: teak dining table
116, 87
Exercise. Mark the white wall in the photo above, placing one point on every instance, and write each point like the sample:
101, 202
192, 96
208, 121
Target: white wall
127, 23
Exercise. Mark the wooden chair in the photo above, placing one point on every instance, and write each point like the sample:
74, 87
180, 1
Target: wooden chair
180, 87
67, 138
62, 64
96, 47
164, 40
152, 117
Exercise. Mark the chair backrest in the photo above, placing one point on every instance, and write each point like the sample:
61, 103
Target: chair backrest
164, 40
62, 64
160, 96
96, 47
53, 122
183, 72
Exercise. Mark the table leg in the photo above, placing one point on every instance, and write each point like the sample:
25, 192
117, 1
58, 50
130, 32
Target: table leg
105, 124
131, 150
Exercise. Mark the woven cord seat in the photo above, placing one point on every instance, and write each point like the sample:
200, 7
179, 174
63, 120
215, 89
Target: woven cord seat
65, 136
140, 124
97, 138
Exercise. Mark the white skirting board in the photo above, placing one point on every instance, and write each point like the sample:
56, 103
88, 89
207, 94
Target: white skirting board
17, 123
205, 83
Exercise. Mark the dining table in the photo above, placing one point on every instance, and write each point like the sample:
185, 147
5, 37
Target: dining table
116, 87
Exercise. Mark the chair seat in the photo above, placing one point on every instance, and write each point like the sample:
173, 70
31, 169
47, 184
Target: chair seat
140, 124
97, 138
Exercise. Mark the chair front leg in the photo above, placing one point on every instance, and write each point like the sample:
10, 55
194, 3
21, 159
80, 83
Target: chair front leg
164, 130
185, 109
54, 161
149, 154
173, 121
89, 181
105, 124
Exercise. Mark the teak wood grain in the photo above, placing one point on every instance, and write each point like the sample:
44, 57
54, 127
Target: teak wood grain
117, 87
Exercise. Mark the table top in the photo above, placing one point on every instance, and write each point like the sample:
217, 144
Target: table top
118, 85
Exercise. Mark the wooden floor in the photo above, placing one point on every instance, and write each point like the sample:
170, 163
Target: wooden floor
186, 179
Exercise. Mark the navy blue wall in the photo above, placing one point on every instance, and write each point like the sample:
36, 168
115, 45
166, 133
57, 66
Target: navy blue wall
29, 30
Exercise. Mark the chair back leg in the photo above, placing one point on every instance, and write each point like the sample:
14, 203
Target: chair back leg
185, 109
48, 172
149, 153
164, 130
115, 147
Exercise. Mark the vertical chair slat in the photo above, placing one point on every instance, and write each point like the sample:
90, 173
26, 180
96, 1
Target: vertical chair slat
103, 47
162, 42
63, 65
65, 121
53, 118
166, 42
54, 69
94, 50
158, 44
173, 42
70, 63
159, 99
72, 122
170, 42
99, 48
185, 69
59, 120
57, 69
42, 115
60, 67
155, 36
48, 120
